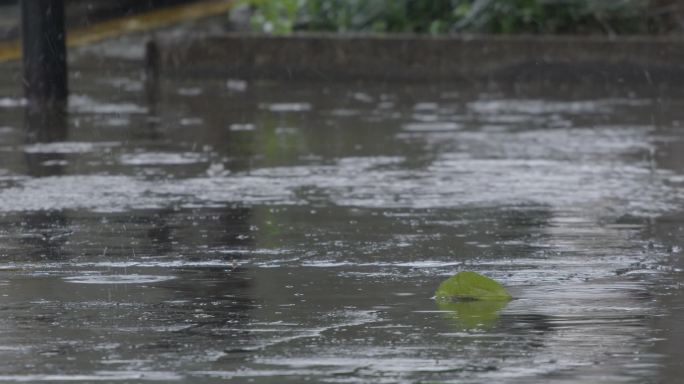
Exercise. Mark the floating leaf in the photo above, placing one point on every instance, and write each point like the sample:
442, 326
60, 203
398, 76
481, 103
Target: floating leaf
471, 286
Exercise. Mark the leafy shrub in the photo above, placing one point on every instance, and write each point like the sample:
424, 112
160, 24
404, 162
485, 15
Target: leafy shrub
475, 16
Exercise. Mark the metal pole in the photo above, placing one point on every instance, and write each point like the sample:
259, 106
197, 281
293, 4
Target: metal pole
44, 51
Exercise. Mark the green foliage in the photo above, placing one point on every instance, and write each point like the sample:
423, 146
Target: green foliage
555, 16
378, 15
471, 286
273, 16
445, 16
471, 300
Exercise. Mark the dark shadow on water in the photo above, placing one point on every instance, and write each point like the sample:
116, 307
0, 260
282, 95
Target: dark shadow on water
45, 233
160, 232
218, 299
45, 124
43, 236
151, 92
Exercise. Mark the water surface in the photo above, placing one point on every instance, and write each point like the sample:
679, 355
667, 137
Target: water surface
224, 230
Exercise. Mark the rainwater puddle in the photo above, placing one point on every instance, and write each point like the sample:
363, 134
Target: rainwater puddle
219, 232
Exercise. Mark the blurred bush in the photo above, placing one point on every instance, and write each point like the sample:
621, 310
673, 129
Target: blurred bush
473, 16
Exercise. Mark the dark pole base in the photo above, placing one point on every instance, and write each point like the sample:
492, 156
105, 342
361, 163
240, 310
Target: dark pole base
44, 51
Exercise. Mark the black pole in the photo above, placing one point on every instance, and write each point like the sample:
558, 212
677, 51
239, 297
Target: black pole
44, 51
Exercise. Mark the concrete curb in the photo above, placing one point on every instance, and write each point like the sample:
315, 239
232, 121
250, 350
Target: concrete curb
652, 60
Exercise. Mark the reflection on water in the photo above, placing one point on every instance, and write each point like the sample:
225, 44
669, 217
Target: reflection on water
472, 314
217, 230
45, 125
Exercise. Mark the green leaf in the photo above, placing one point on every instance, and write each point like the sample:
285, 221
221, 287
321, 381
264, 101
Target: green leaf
471, 286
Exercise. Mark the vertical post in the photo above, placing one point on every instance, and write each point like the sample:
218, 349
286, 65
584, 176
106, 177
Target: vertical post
44, 51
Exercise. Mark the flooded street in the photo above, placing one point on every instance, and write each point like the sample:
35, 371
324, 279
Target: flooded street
220, 230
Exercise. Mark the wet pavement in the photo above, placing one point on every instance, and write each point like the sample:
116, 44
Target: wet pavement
222, 230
